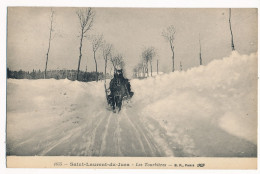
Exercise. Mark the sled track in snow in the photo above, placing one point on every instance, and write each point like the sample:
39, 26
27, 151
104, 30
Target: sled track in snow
103, 145
148, 141
104, 134
72, 133
117, 137
56, 143
93, 142
136, 133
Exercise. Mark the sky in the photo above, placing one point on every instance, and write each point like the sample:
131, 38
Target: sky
130, 31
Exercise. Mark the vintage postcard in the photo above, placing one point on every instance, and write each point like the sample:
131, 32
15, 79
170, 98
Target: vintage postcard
132, 88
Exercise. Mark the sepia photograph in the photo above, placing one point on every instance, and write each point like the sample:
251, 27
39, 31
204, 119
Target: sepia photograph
131, 82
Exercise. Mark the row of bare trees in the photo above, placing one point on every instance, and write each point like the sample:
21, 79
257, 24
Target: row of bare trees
142, 69
86, 19
169, 35
148, 54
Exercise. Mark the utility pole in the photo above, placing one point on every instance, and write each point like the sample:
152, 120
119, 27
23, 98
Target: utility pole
200, 51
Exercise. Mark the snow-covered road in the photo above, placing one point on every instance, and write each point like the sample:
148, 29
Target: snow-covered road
104, 134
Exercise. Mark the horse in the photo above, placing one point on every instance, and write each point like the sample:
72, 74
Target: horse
118, 92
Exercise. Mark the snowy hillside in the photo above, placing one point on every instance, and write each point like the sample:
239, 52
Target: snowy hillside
206, 111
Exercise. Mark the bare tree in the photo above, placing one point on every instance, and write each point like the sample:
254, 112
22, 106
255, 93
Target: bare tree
49, 45
137, 71
232, 42
180, 66
145, 62
148, 54
86, 18
168, 34
107, 48
96, 41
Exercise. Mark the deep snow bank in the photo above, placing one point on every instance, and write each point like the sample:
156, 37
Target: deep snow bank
223, 93
36, 105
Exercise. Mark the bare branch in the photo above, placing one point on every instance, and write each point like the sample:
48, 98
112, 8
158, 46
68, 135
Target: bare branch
169, 34
86, 19
96, 41
107, 48
117, 61
148, 54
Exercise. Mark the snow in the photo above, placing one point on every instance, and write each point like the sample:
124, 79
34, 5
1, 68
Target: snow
225, 91
205, 111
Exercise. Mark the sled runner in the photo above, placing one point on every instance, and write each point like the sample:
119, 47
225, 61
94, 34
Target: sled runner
119, 91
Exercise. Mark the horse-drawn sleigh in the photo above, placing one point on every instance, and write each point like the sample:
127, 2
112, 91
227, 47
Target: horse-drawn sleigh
119, 91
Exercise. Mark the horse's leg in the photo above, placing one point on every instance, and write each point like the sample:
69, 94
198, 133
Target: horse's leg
119, 103
113, 102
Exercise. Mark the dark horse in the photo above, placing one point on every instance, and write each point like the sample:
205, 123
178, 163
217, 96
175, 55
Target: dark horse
119, 89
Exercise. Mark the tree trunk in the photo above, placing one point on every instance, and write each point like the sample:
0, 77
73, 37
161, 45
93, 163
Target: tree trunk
157, 67
172, 48
45, 71
80, 54
96, 65
200, 59
232, 42
151, 68
147, 70
47, 55
173, 61
144, 70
